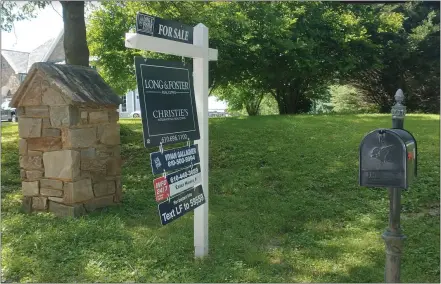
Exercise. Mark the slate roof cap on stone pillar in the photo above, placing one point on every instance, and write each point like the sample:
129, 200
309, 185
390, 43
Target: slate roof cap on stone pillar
78, 83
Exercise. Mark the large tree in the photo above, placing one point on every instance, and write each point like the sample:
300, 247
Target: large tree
243, 95
293, 49
106, 33
403, 52
303, 46
75, 43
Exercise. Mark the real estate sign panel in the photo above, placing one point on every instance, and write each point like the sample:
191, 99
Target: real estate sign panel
167, 101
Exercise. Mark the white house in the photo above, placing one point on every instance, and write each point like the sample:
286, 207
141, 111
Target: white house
15, 66
130, 108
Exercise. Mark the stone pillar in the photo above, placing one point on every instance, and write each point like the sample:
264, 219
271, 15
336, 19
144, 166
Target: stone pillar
70, 159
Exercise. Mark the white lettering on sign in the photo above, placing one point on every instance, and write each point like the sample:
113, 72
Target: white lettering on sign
182, 198
180, 34
165, 31
179, 209
179, 161
162, 189
183, 175
168, 216
167, 85
173, 33
170, 113
197, 200
180, 154
160, 184
185, 184
175, 137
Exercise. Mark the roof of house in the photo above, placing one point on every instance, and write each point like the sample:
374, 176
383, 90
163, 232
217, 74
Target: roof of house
37, 54
17, 59
78, 83
21, 61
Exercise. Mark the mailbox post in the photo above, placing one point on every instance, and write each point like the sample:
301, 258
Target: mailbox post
398, 111
393, 236
388, 158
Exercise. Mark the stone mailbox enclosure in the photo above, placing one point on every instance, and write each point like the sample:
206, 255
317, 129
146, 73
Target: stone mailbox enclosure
69, 140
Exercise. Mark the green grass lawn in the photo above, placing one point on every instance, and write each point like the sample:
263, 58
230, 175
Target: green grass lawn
285, 206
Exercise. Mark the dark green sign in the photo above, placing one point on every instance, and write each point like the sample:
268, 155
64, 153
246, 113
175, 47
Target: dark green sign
167, 102
174, 159
157, 27
180, 204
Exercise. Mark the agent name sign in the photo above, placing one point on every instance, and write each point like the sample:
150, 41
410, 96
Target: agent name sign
174, 159
177, 182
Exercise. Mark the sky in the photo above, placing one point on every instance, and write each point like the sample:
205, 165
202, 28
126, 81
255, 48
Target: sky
29, 34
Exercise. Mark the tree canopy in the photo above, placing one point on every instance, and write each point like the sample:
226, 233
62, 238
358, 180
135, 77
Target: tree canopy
75, 44
11, 12
291, 50
405, 57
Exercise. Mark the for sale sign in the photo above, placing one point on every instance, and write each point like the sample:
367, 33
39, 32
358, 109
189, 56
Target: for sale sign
162, 28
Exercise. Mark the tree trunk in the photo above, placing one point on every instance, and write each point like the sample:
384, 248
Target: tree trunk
253, 105
280, 99
286, 102
75, 43
292, 102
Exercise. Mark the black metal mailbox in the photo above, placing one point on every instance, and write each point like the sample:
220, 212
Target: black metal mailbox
388, 158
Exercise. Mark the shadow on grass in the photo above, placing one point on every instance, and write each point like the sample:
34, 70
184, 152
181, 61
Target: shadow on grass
261, 189
285, 206
315, 170
42, 248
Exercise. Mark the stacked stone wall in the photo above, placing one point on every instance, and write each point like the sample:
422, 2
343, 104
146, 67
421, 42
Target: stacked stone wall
70, 159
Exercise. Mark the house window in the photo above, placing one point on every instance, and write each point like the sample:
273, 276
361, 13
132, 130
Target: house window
124, 103
21, 77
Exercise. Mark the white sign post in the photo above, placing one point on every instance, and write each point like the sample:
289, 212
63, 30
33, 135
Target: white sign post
201, 54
